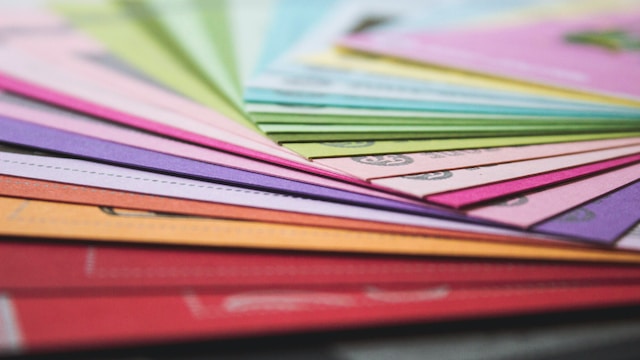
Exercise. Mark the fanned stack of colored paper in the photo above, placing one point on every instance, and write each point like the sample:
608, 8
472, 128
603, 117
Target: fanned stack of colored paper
306, 148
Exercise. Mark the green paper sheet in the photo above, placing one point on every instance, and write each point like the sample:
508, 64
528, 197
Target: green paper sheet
248, 21
126, 29
454, 130
188, 28
359, 148
426, 119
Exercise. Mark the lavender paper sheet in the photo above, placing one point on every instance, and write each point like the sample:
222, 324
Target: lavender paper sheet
601, 221
22, 133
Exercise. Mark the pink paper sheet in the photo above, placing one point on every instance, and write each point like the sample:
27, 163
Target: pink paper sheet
78, 95
381, 166
525, 211
540, 53
96, 129
444, 181
467, 197
73, 51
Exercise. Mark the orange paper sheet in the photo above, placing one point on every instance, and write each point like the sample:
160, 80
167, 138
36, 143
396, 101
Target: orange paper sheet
19, 217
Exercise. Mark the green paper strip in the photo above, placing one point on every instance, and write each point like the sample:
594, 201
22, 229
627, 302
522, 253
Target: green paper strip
432, 119
328, 137
453, 130
359, 148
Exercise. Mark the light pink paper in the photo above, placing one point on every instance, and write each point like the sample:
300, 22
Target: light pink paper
381, 166
539, 53
85, 126
631, 241
525, 211
71, 50
467, 197
449, 180
37, 80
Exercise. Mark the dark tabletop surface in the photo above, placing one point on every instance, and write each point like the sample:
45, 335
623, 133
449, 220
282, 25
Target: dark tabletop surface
612, 334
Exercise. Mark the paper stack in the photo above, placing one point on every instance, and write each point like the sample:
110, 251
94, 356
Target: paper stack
189, 169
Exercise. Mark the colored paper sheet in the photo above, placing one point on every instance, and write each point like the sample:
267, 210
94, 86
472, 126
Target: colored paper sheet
287, 78
18, 68
565, 55
43, 33
20, 71
283, 114
149, 203
37, 267
435, 129
26, 134
417, 136
303, 90
130, 38
141, 182
39, 113
630, 240
290, 21
188, 27
99, 106
248, 22
366, 62
203, 136
360, 148
427, 20
465, 14
505, 17
388, 165
261, 95
238, 207
470, 196
228, 137
602, 221
525, 211
449, 180
60, 322
76, 222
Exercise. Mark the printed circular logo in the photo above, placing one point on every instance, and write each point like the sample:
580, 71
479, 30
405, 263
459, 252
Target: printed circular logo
436, 175
383, 160
578, 215
349, 144
513, 202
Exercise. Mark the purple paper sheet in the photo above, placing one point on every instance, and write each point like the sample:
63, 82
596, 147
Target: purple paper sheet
27, 134
601, 221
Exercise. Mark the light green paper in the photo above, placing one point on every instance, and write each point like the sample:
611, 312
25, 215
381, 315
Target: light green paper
380, 136
426, 119
199, 30
128, 37
450, 129
248, 24
359, 148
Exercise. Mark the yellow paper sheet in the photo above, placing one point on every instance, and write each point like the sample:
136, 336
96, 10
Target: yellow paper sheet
353, 61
